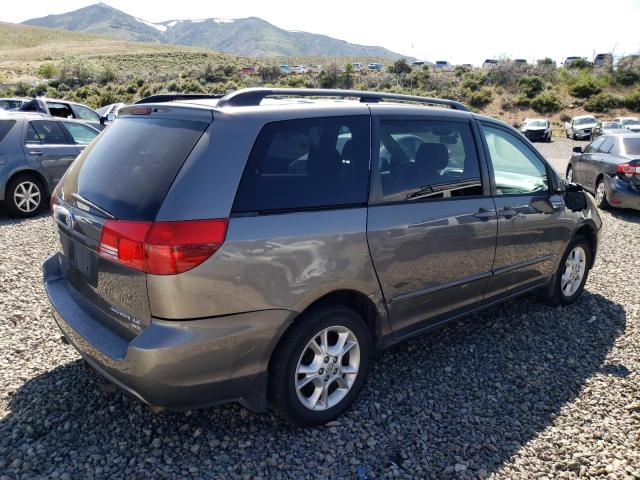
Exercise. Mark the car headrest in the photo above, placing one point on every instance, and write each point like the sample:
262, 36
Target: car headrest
434, 156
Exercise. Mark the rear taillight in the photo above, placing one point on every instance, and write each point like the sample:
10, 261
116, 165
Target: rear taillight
629, 169
161, 248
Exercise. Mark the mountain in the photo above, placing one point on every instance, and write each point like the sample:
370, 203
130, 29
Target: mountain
250, 36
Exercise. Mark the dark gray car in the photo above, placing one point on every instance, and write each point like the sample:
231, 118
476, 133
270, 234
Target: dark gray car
609, 167
35, 151
259, 250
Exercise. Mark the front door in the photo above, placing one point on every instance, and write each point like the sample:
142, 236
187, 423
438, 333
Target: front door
532, 228
431, 223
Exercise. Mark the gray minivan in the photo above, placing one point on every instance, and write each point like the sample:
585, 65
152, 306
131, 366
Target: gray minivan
258, 249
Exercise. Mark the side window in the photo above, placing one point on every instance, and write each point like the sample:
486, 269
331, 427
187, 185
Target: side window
426, 159
606, 145
60, 110
81, 134
593, 146
46, 132
86, 113
307, 163
516, 168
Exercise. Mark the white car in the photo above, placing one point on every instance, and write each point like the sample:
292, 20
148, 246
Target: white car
298, 69
110, 112
579, 128
357, 67
536, 129
630, 123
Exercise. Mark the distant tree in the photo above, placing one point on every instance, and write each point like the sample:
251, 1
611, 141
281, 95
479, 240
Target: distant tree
400, 67
48, 70
270, 73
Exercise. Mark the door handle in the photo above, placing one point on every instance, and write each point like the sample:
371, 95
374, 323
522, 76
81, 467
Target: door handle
485, 214
36, 153
507, 212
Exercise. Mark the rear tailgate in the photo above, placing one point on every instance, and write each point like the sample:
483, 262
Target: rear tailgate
124, 175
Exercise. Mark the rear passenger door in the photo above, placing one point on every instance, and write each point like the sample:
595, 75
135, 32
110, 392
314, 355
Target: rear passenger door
48, 147
431, 223
532, 228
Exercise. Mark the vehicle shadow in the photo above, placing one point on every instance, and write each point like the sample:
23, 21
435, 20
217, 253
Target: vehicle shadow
472, 394
626, 214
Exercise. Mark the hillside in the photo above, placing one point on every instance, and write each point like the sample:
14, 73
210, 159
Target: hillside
23, 49
250, 36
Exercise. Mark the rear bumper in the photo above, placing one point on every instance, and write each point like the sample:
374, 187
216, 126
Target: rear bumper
620, 194
174, 364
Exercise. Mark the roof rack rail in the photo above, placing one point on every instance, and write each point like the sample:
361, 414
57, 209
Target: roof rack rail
253, 96
172, 97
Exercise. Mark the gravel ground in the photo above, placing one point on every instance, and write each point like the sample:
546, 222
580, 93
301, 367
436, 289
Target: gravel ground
521, 391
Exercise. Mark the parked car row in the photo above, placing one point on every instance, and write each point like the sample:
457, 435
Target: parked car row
588, 127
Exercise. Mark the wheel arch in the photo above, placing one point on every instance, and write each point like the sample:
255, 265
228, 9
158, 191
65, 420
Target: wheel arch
27, 171
589, 233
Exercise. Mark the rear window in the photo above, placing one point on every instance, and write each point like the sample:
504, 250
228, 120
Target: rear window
130, 169
5, 128
307, 164
632, 146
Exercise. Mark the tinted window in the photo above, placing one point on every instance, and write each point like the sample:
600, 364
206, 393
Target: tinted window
5, 128
632, 146
593, 146
86, 113
31, 106
426, 159
308, 163
10, 104
59, 110
606, 145
46, 132
130, 169
81, 134
517, 170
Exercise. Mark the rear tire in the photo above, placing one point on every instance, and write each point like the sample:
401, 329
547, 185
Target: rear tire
572, 272
601, 195
312, 379
24, 196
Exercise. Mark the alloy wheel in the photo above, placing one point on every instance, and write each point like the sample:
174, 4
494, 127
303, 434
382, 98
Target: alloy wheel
327, 368
574, 268
27, 196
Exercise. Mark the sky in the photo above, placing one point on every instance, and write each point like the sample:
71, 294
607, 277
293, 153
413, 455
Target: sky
454, 30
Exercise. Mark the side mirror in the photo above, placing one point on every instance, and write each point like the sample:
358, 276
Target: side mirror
577, 150
562, 186
102, 120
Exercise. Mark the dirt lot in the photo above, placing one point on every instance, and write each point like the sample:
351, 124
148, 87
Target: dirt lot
520, 391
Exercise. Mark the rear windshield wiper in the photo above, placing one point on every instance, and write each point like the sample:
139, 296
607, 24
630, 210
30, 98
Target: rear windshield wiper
89, 204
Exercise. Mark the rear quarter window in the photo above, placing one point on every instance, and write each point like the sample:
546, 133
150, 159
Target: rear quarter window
5, 128
307, 164
129, 170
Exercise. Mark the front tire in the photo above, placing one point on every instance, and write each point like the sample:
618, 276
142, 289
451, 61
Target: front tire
24, 196
569, 175
572, 272
320, 366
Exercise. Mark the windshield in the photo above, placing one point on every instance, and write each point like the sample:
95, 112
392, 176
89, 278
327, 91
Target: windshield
585, 121
631, 121
612, 125
537, 123
632, 146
